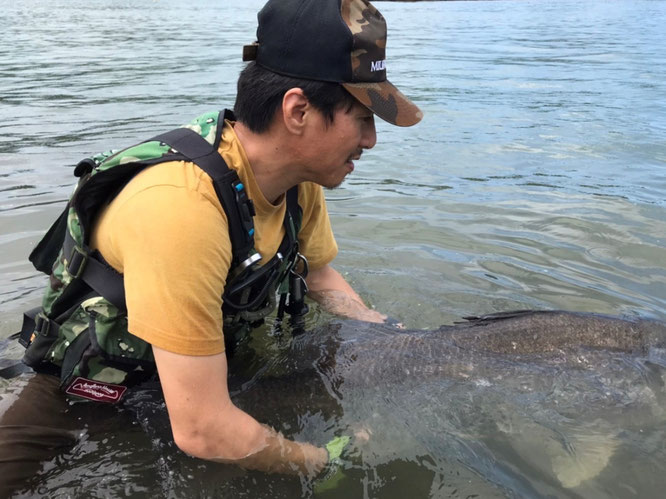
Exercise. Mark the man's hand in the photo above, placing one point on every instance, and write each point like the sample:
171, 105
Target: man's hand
328, 288
334, 472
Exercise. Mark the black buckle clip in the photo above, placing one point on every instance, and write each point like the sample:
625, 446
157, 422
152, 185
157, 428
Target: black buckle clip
245, 206
42, 325
298, 287
300, 259
77, 262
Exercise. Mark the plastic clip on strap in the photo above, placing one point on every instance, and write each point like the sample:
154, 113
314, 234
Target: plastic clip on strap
245, 208
298, 288
35, 323
297, 291
77, 262
91, 268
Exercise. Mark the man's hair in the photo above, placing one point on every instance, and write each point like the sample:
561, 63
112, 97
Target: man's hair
260, 92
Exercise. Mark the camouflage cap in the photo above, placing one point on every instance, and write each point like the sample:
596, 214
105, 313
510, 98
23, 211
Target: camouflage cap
341, 41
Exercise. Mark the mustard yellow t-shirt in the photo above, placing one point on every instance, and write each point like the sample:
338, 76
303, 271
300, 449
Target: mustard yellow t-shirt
167, 233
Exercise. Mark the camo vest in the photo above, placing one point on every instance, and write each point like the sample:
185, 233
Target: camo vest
80, 331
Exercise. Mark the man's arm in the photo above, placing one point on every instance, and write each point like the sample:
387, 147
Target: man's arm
206, 424
331, 291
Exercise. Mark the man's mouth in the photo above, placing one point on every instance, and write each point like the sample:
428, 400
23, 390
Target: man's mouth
352, 158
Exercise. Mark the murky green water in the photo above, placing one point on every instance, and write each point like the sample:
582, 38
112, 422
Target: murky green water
536, 179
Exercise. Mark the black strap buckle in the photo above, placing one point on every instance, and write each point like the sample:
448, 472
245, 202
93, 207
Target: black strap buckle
245, 208
35, 323
42, 325
77, 262
27, 332
300, 259
298, 288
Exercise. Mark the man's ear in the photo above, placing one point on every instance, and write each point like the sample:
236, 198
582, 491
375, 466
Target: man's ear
295, 109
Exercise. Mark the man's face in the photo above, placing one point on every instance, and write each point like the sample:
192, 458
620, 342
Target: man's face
332, 148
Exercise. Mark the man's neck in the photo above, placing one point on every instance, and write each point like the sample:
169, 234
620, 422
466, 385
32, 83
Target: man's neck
270, 159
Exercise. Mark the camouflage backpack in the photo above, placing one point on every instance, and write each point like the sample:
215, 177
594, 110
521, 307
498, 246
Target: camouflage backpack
80, 331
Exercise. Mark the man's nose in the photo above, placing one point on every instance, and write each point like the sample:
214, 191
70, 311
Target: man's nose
369, 136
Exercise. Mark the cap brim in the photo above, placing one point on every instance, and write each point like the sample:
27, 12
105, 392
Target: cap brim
386, 101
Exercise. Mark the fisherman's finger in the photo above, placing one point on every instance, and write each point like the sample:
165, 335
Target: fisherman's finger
362, 436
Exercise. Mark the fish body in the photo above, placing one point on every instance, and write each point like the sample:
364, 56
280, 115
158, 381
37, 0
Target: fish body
538, 403
518, 404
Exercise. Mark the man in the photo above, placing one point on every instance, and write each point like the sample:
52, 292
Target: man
304, 113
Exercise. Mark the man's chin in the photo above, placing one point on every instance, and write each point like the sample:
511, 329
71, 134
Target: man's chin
334, 186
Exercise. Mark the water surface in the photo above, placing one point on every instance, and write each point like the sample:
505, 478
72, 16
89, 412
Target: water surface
535, 180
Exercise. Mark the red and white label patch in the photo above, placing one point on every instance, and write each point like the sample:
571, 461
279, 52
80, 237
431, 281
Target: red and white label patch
96, 390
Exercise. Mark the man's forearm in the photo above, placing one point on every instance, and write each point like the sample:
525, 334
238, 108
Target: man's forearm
235, 437
339, 303
279, 455
206, 424
335, 295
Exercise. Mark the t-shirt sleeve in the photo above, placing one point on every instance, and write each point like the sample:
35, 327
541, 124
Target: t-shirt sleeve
175, 250
316, 239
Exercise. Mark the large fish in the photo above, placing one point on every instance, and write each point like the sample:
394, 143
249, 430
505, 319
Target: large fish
524, 404
520, 404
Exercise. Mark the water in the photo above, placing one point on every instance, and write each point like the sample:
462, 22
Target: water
535, 180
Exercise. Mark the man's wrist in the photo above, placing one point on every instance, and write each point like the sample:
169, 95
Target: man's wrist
345, 305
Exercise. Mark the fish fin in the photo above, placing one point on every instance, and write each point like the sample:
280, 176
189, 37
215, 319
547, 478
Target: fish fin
502, 315
589, 456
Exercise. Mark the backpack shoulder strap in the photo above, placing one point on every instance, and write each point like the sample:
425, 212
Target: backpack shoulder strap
101, 277
230, 190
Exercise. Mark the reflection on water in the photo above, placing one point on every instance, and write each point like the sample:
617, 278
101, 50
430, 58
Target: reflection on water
536, 180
